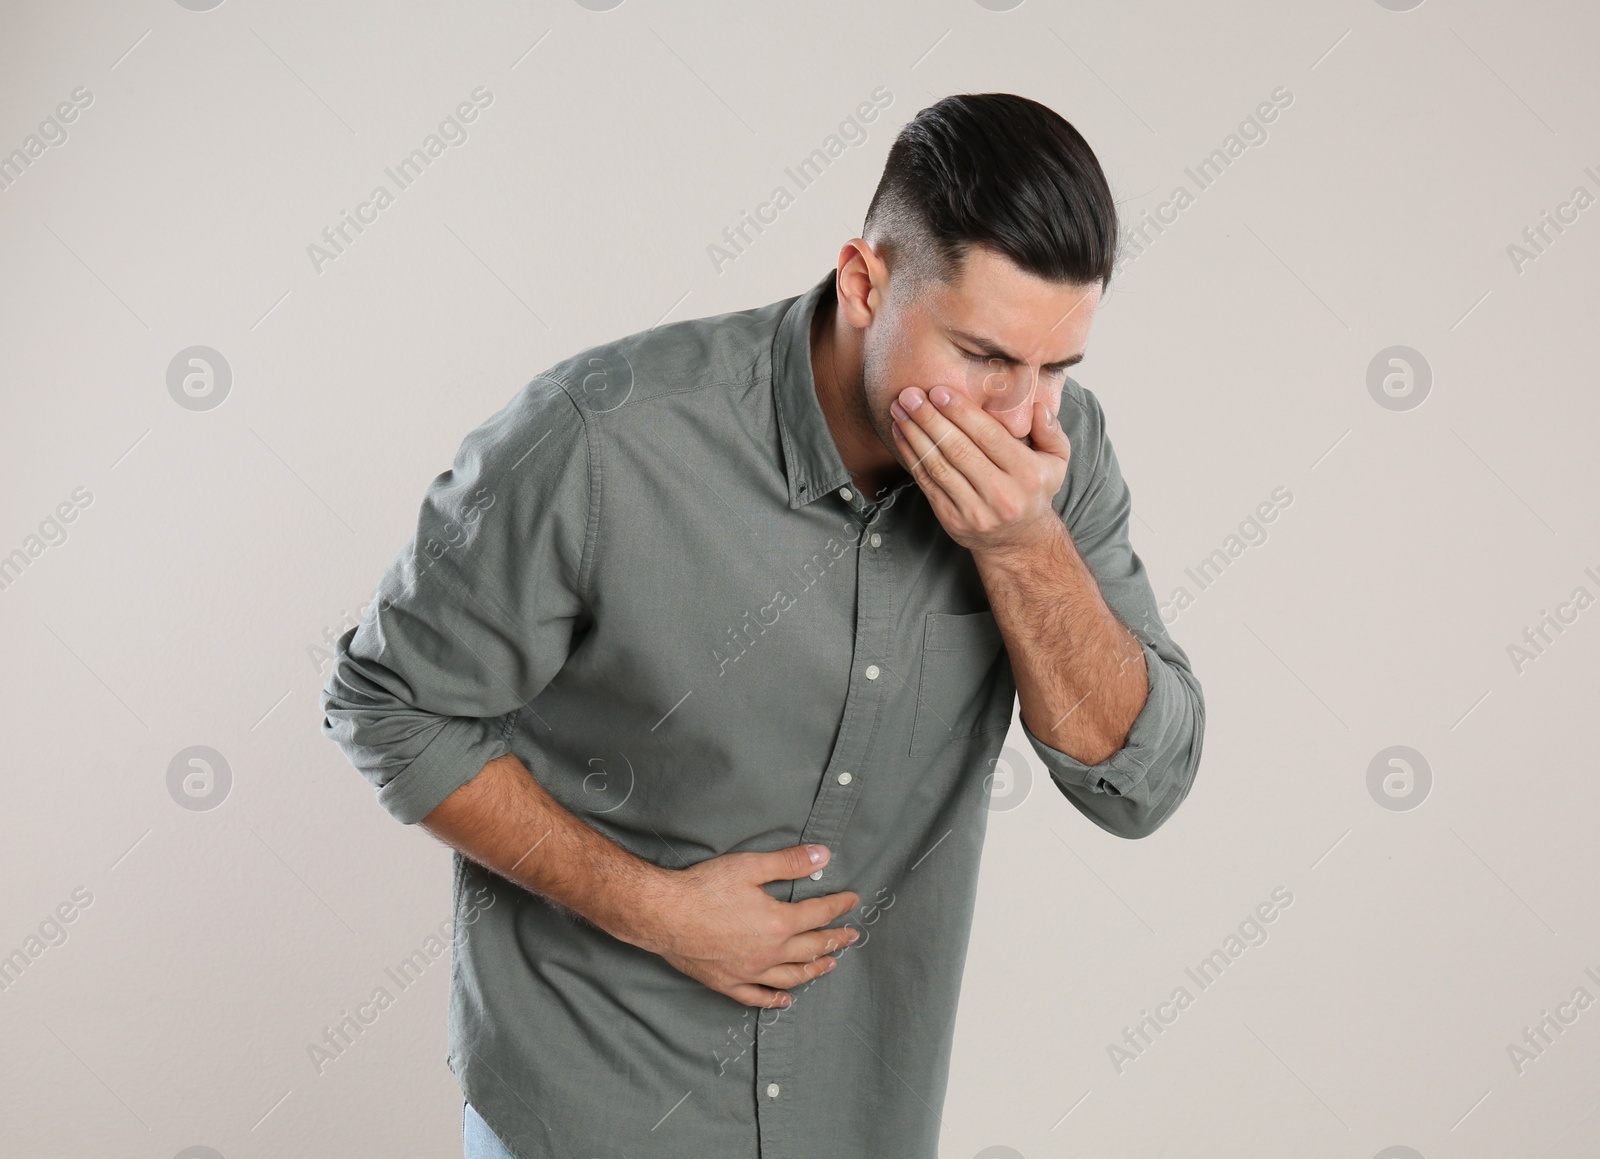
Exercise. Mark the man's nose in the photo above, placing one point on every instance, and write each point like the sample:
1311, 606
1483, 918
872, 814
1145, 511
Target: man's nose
1013, 407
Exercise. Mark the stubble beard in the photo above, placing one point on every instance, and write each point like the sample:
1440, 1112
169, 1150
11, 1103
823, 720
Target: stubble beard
872, 404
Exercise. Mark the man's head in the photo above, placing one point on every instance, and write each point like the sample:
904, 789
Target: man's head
986, 248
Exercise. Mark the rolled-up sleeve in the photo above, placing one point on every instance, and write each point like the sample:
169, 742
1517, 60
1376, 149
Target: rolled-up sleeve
476, 614
1134, 790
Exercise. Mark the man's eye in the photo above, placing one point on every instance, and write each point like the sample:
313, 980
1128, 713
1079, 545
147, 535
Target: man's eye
1057, 371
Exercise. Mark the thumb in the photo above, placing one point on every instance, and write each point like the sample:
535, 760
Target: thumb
1046, 432
787, 864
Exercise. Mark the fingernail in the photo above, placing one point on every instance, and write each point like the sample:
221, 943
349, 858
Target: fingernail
939, 395
832, 962
816, 853
898, 411
852, 937
911, 398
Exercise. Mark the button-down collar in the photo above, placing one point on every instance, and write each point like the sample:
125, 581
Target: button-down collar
810, 455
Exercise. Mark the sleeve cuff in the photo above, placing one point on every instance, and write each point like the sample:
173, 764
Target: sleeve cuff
464, 745
1124, 769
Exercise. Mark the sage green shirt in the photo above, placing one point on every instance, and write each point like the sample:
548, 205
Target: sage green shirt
650, 577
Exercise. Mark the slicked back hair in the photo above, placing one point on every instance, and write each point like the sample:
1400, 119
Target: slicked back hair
995, 170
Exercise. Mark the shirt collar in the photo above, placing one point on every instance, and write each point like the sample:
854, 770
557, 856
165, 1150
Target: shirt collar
810, 455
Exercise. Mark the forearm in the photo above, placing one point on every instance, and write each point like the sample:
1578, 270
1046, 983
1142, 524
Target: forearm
1080, 673
506, 821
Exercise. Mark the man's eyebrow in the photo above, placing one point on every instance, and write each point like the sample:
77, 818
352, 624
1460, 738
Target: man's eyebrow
992, 349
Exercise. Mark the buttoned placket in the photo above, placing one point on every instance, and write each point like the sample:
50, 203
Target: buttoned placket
843, 781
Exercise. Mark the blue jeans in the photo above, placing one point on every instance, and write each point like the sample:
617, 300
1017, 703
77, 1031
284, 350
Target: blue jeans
477, 1140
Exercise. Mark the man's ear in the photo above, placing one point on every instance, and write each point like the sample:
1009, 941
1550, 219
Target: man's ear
862, 282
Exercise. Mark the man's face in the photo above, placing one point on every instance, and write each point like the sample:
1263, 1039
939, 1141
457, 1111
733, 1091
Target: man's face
999, 336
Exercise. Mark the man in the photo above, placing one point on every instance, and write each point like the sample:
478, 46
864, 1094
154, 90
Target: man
710, 639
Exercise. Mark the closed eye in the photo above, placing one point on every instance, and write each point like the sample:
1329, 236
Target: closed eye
988, 358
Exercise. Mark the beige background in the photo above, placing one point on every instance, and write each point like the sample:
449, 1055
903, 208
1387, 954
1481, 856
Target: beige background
217, 548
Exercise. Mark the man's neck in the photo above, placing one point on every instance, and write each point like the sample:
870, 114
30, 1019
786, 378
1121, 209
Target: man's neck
837, 369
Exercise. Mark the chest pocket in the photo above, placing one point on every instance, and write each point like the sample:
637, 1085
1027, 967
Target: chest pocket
956, 693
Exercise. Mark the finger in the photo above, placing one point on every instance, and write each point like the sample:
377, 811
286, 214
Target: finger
936, 495
788, 974
1046, 432
815, 944
995, 451
786, 864
930, 465
815, 912
765, 997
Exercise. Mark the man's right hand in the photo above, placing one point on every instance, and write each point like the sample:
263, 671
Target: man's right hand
715, 923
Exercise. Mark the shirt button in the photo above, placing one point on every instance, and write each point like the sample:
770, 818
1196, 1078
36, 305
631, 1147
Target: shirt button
876, 539
817, 876
845, 778
846, 493
872, 671
772, 1090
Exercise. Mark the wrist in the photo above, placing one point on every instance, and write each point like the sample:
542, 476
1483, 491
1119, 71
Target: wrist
1038, 545
636, 903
